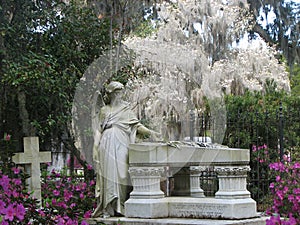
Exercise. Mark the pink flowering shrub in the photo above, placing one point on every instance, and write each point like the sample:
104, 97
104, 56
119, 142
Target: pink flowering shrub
16, 204
286, 194
67, 199
260, 153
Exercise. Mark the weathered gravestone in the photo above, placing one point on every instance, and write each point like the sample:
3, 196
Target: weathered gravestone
32, 158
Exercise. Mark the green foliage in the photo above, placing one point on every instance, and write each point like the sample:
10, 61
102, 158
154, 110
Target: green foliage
254, 118
47, 46
295, 80
253, 122
145, 29
7, 149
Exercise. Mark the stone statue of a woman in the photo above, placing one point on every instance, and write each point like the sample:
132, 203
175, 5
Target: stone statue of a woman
117, 129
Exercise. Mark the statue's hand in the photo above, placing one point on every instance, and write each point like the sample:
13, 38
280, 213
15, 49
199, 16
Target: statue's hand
155, 136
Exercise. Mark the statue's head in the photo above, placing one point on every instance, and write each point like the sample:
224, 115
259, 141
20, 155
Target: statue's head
114, 86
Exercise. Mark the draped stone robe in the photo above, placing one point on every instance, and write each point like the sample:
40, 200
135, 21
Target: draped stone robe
118, 126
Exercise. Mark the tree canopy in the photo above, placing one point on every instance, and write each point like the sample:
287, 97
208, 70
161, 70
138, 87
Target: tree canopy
45, 48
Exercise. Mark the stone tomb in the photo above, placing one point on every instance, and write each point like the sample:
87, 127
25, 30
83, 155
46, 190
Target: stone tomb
148, 162
32, 158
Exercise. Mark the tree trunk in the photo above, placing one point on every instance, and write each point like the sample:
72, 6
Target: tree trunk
24, 116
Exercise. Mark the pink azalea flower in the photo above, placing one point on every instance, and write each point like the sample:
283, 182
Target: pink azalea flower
9, 213
67, 195
16, 170
296, 191
71, 222
87, 214
56, 193
2, 206
83, 222
273, 220
61, 221
4, 182
7, 137
62, 204
20, 212
4, 222
77, 188
15, 193
296, 165
42, 213
53, 201
84, 185
278, 178
89, 167
291, 198
92, 182
292, 220
81, 195
17, 182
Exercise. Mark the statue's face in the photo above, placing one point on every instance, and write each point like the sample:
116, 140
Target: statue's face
114, 86
117, 93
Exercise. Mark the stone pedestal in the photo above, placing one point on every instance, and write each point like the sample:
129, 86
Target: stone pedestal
146, 182
146, 199
187, 182
195, 173
232, 182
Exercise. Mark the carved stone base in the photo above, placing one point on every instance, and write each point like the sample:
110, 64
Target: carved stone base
146, 182
186, 207
189, 207
146, 208
232, 182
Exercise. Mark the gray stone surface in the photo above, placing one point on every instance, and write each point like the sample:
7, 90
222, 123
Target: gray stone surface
176, 221
163, 154
147, 208
188, 207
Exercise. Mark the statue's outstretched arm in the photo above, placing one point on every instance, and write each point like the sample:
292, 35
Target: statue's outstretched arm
148, 132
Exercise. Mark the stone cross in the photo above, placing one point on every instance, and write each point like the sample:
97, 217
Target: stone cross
32, 158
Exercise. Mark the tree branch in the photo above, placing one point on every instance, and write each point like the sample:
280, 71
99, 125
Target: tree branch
263, 34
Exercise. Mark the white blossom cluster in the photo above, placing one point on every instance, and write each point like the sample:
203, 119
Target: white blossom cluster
178, 69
